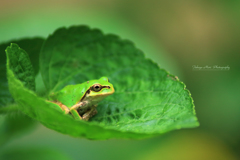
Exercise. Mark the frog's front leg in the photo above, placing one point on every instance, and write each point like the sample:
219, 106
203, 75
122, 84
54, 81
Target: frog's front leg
74, 108
62, 106
90, 113
78, 105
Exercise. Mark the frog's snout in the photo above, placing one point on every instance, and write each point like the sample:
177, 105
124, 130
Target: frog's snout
113, 90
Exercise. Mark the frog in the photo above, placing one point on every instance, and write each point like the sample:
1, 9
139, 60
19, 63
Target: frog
81, 100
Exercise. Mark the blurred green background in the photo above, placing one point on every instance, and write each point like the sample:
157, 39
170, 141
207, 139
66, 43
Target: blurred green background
177, 35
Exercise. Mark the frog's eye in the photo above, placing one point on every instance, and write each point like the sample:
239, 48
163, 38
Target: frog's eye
96, 87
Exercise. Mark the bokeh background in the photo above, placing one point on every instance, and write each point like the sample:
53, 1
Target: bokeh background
176, 34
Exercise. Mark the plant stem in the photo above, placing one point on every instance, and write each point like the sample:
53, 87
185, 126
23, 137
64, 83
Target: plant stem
9, 108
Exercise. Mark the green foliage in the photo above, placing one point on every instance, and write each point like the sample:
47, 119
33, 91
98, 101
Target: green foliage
148, 101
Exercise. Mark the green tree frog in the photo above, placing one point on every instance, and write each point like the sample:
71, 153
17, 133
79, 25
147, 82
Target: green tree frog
81, 100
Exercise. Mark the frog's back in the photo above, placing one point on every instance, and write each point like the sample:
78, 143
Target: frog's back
70, 94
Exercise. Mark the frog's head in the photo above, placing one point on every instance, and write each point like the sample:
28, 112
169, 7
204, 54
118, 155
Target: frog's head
99, 89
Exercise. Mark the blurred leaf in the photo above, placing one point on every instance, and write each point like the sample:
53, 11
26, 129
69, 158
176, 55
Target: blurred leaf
14, 125
148, 101
32, 153
33, 47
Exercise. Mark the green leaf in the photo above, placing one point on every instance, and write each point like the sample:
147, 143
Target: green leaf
48, 115
36, 153
33, 47
19, 62
148, 101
